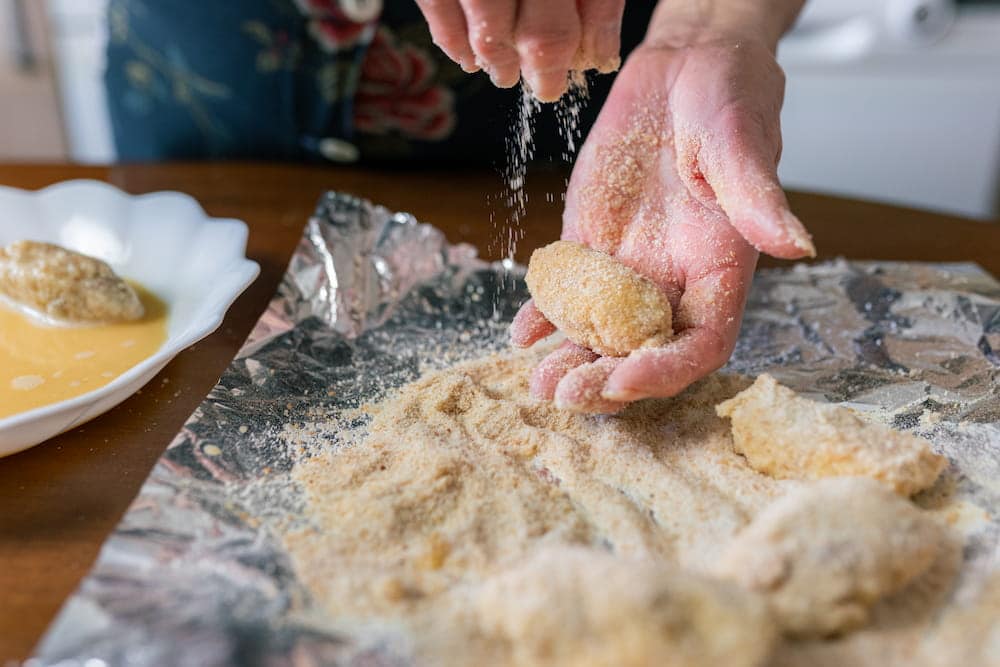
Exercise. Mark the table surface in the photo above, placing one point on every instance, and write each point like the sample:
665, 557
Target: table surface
60, 500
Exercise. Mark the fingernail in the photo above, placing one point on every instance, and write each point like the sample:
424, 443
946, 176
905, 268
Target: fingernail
797, 231
620, 395
562, 404
469, 67
805, 244
547, 87
606, 49
611, 65
592, 407
505, 79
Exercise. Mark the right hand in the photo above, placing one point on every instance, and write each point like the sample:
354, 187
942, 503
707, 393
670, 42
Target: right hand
677, 180
541, 40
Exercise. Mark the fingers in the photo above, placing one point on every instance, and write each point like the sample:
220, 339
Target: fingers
449, 31
727, 108
581, 388
755, 203
666, 371
709, 317
529, 326
555, 367
739, 161
537, 40
547, 38
600, 42
491, 35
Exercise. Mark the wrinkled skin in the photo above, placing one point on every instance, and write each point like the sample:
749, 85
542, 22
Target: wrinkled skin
708, 199
541, 40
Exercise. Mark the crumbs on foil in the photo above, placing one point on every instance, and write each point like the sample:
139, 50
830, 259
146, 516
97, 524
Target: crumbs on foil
195, 574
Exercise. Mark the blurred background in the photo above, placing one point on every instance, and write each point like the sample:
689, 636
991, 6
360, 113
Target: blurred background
889, 100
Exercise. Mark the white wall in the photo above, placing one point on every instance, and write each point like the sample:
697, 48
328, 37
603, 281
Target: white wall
871, 115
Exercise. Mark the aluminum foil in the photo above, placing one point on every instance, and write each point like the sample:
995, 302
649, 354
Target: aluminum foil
195, 573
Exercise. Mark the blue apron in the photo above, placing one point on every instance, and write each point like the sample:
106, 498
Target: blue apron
316, 80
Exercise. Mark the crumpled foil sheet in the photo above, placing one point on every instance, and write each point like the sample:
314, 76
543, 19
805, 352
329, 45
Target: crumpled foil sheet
195, 574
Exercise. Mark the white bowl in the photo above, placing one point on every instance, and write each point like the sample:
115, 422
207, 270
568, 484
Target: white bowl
165, 242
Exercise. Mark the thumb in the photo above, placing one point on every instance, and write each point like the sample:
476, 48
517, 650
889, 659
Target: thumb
529, 326
739, 163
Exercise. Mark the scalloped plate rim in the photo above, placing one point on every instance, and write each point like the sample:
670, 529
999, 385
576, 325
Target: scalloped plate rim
244, 272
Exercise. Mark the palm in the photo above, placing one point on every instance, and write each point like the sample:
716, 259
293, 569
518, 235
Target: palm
672, 181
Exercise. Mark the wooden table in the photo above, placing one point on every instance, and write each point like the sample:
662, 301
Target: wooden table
60, 500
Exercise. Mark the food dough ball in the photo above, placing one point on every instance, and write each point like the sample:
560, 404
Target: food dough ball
598, 302
568, 605
786, 436
825, 553
65, 286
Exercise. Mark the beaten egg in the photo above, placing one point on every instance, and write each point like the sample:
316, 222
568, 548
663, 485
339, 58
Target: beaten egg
41, 365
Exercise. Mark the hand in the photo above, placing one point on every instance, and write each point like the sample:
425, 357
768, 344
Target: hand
543, 39
677, 180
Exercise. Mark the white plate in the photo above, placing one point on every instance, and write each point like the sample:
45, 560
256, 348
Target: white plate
164, 241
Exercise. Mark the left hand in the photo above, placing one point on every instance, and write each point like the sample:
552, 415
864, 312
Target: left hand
678, 180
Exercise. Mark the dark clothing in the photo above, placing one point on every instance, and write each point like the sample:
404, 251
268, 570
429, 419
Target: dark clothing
336, 80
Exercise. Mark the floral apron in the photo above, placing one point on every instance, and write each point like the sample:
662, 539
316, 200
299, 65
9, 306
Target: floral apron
322, 80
